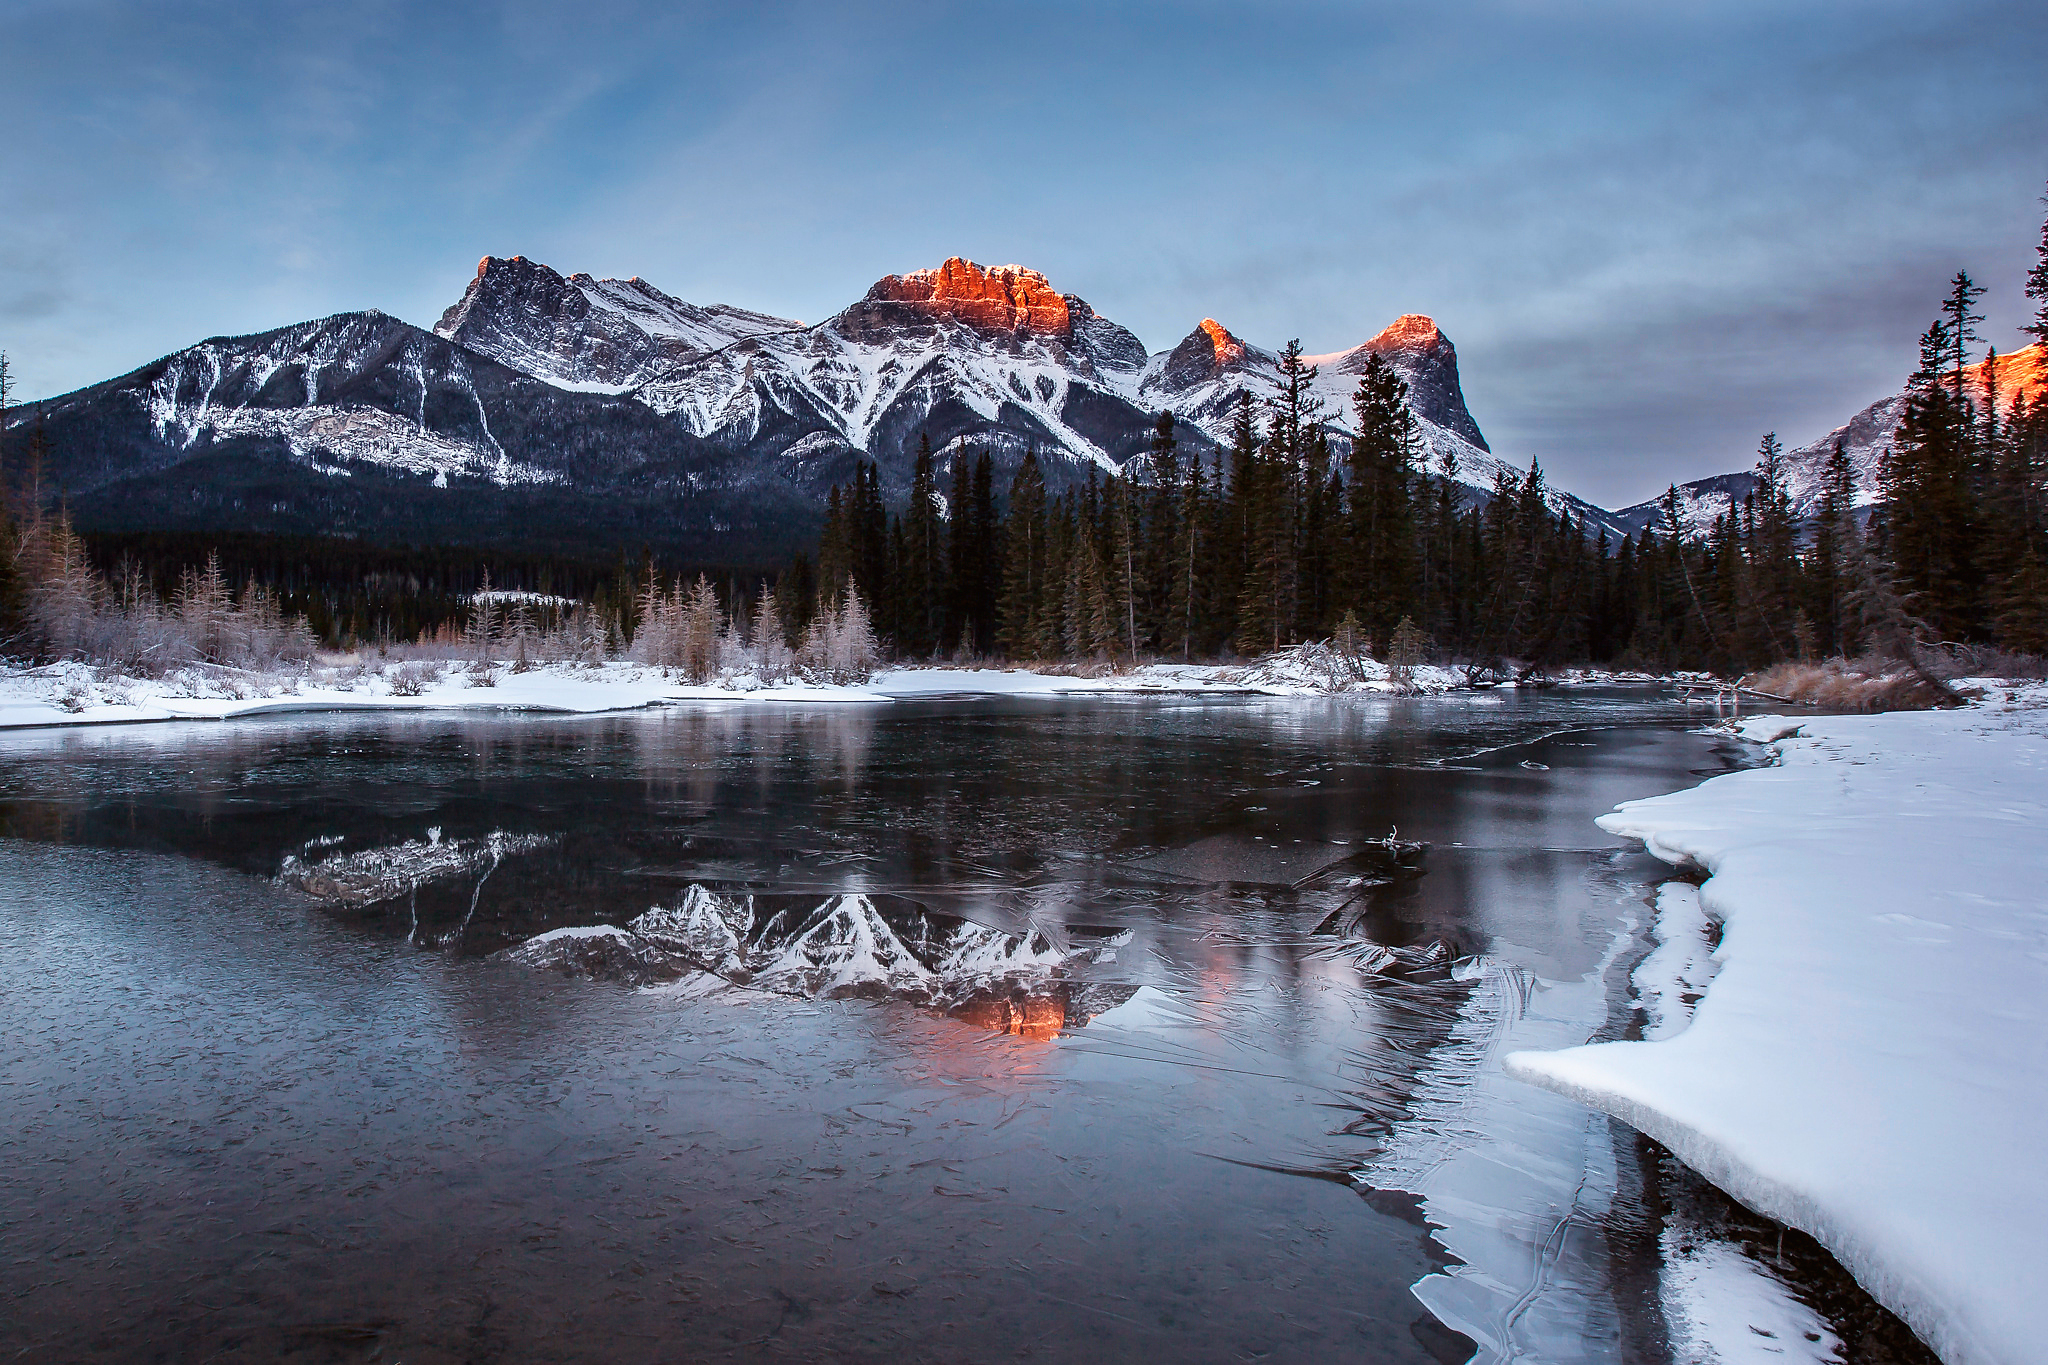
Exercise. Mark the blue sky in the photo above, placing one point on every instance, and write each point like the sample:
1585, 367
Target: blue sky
1653, 230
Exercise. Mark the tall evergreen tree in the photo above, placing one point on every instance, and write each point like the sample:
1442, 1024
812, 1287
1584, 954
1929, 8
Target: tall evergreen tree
1958, 310
1929, 484
963, 556
1832, 558
921, 591
1379, 569
1025, 590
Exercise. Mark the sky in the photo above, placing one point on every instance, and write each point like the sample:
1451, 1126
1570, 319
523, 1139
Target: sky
1653, 230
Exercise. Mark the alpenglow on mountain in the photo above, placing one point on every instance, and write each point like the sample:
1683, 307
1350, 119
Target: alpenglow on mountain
573, 414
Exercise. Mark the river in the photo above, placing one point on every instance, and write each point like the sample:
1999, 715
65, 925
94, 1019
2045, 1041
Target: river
269, 1090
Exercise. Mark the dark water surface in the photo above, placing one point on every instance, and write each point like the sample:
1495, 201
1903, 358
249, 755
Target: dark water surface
243, 1122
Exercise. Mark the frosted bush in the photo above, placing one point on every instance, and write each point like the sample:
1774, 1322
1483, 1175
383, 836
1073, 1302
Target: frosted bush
414, 677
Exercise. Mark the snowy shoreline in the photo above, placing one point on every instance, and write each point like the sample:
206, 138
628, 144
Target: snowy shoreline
1867, 1062
78, 695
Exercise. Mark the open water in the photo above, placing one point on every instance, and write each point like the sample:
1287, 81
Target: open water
268, 1093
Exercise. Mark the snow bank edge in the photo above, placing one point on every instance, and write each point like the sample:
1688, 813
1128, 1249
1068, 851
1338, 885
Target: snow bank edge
1718, 1164
1579, 1074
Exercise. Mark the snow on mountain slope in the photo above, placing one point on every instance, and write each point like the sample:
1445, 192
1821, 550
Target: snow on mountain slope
362, 425
352, 389
603, 335
993, 354
1864, 439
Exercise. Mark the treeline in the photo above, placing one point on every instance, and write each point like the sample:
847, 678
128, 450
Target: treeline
1963, 525
1306, 528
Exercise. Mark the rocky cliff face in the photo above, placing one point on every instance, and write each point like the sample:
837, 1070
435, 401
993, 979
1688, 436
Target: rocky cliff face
1006, 300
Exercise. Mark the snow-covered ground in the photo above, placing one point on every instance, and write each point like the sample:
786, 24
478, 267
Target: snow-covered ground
1869, 1061
75, 694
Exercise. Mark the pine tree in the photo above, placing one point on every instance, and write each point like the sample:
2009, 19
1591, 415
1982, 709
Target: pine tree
1773, 561
1192, 563
2019, 542
1835, 543
1958, 311
1161, 511
988, 554
963, 551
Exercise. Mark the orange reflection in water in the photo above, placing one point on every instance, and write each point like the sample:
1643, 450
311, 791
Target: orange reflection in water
1019, 1012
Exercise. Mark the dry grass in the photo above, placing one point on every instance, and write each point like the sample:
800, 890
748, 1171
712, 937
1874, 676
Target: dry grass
1846, 685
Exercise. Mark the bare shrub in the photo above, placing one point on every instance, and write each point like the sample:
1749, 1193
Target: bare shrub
414, 677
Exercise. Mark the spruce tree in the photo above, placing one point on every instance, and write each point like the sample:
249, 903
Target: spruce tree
1379, 568
1928, 479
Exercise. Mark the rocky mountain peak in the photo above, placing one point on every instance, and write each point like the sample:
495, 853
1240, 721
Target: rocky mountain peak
1203, 355
502, 284
1228, 349
1005, 298
1409, 332
1415, 346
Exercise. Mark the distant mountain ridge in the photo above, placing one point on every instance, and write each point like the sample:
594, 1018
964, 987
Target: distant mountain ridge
1864, 439
576, 414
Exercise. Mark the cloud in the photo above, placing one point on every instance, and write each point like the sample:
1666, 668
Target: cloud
1653, 231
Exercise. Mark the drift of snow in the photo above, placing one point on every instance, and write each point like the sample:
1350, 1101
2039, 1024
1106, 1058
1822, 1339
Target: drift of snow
1869, 1062
76, 694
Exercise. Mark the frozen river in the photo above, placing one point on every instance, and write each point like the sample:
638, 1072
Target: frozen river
266, 1093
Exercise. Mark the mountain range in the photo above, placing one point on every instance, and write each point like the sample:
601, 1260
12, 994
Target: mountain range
573, 414
568, 414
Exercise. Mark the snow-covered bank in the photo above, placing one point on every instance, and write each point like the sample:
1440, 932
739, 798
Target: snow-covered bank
74, 694
1870, 1060
77, 694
